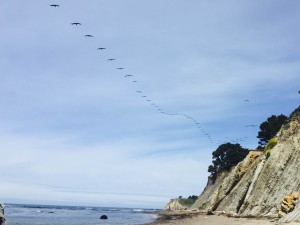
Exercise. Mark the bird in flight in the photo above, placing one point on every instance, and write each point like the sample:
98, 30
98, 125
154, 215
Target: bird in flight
139, 92
54, 5
120, 68
134, 81
89, 35
251, 125
128, 75
247, 100
76, 24
101, 48
111, 59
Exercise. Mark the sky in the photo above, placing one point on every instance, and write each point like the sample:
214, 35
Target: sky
75, 130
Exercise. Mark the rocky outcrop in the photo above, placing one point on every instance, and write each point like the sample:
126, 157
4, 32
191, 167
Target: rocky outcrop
175, 205
257, 186
291, 216
288, 204
103, 217
230, 188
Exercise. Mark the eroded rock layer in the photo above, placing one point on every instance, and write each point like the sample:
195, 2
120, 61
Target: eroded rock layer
258, 185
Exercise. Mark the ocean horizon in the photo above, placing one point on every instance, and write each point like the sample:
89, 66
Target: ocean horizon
32, 214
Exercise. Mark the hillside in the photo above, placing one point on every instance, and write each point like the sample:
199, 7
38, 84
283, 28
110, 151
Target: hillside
258, 185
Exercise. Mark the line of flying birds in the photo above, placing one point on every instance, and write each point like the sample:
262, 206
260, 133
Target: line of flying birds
157, 107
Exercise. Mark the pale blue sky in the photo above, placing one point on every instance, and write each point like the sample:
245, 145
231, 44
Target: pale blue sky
75, 131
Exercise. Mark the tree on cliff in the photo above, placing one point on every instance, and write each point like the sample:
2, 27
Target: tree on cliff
269, 129
226, 156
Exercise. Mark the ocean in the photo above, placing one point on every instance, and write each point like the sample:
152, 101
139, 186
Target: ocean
74, 215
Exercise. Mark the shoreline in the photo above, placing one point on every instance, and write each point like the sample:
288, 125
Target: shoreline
201, 218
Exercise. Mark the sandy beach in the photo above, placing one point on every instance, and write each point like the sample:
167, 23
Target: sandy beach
201, 219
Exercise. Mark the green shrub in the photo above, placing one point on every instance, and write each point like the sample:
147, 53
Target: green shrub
187, 202
271, 144
268, 153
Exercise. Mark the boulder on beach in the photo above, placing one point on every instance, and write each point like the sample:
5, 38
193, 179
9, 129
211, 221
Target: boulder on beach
103, 217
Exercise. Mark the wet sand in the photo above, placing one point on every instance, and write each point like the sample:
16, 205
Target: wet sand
196, 218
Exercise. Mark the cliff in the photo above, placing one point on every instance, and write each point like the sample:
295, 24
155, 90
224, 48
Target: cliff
175, 205
258, 185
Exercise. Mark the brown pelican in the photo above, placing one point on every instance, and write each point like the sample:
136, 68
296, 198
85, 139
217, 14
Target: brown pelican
54, 5
89, 35
76, 24
251, 125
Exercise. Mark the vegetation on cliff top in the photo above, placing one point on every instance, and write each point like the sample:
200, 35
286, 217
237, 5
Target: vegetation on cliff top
226, 156
269, 129
188, 201
295, 113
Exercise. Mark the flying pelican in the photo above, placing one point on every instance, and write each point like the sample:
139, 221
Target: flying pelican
144, 96
89, 35
76, 24
128, 75
111, 59
251, 125
54, 5
134, 81
247, 100
101, 48
120, 68
139, 92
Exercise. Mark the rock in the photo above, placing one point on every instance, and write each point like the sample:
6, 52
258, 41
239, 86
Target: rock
281, 214
103, 217
296, 195
284, 208
289, 199
288, 204
174, 205
209, 213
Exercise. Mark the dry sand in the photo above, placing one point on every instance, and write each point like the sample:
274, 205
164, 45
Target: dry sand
198, 219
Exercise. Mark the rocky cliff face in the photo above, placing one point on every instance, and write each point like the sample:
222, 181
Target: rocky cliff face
230, 188
175, 205
257, 186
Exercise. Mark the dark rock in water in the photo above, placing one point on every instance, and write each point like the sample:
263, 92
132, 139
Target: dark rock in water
103, 217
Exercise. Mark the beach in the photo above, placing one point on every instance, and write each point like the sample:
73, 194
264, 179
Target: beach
196, 218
